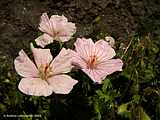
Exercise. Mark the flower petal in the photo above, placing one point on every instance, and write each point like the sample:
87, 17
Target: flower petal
56, 19
62, 84
45, 24
62, 62
95, 74
35, 86
103, 69
42, 56
84, 47
111, 66
44, 40
104, 50
24, 66
70, 29
66, 31
62, 28
77, 61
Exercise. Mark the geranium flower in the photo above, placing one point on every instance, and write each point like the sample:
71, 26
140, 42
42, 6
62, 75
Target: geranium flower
95, 59
56, 28
47, 75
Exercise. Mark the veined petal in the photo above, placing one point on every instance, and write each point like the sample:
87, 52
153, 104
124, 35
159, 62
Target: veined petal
57, 19
95, 74
42, 56
104, 50
24, 66
45, 24
62, 62
78, 61
103, 69
58, 24
61, 84
62, 28
34, 86
70, 28
84, 47
111, 66
66, 30
44, 40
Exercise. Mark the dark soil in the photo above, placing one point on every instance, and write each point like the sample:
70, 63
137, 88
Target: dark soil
19, 19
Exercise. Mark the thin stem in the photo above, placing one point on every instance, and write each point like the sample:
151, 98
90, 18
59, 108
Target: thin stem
60, 45
127, 48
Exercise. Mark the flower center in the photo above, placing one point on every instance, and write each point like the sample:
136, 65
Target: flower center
55, 34
45, 71
92, 62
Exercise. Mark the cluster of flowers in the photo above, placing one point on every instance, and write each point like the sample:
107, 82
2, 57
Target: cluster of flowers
48, 75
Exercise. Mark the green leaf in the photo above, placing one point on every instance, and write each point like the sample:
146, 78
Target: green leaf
122, 110
144, 115
106, 85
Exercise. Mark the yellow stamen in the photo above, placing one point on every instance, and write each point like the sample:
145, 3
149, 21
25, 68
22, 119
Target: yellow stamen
44, 71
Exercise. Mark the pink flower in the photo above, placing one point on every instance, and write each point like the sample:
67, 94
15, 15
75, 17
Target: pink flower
47, 75
95, 59
56, 28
